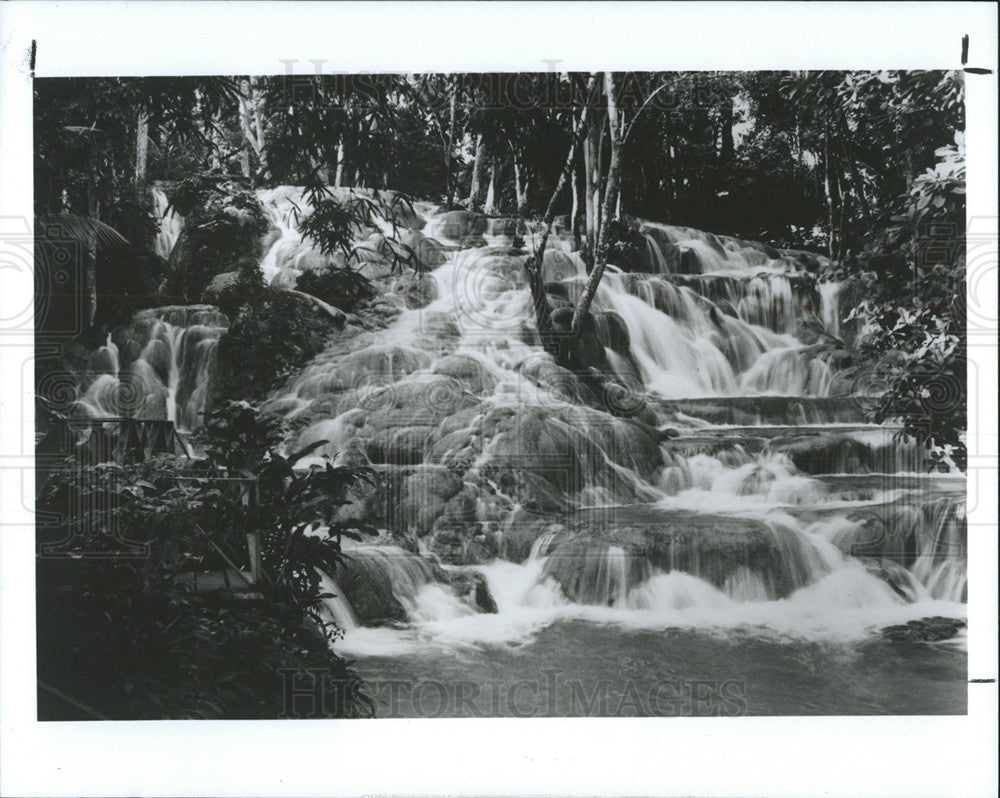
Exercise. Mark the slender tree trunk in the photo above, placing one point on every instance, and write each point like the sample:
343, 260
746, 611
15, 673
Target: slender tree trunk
610, 198
520, 186
574, 219
727, 146
829, 193
90, 256
533, 265
590, 168
141, 152
449, 184
475, 190
252, 123
852, 164
490, 206
339, 175
600, 187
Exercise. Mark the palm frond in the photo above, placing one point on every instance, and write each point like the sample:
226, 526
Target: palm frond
80, 230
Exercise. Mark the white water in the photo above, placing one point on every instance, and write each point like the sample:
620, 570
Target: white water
171, 224
158, 367
462, 383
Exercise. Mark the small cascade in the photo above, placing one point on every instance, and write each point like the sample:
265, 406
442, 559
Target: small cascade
942, 548
829, 304
171, 224
160, 366
336, 608
411, 579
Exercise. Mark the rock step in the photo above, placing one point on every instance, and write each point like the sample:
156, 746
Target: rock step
773, 410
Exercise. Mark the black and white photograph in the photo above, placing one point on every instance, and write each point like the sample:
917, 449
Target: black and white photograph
554, 392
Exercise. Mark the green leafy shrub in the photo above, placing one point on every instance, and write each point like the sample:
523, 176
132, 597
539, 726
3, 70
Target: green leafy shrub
342, 288
120, 583
224, 225
269, 340
911, 275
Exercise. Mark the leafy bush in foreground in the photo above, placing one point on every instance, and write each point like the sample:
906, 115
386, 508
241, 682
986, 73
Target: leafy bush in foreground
121, 632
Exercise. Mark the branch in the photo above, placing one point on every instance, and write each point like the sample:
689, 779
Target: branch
610, 196
534, 263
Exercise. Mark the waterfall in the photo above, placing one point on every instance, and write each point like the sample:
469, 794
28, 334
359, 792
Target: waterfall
159, 366
171, 224
336, 608
699, 470
829, 296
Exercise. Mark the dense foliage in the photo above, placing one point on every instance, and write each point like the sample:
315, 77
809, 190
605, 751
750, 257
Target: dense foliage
121, 578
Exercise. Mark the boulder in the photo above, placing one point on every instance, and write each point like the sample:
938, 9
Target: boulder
558, 266
471, 587
712, 547
925, 630
417, 290
423, 496
428, 254
368, 588
463, 225
468, 371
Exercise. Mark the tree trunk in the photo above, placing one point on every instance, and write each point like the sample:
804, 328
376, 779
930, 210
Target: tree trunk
490, 206
339, 177
449, 184
828, 192
90, 256
251, 122
533, 265
574, 219
590, 190
141, 152
610, 198
727, 147
520, 187
475, 190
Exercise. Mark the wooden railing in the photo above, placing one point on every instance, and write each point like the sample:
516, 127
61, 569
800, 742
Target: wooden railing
129, 441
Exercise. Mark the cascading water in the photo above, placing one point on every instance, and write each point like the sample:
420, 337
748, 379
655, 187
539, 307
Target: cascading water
171, 224
158, 367
701, 471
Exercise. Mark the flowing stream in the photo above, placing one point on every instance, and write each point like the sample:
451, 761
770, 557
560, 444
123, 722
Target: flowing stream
706, 503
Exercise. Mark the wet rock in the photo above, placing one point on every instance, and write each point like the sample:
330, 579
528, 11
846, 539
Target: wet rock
401, 212
689, 262
471, 587
509, 227
463, 226
661, 255
428, 254
423, 497
222, 284
462, 545
368, 588
468, 371
753, 410
558, 290
612, 331
439, 327
544, 372
569, 447
711, 547
417, 290
399, 446
558, 266
930, 629
830, 454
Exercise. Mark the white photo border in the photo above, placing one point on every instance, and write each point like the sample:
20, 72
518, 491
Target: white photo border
874, 756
